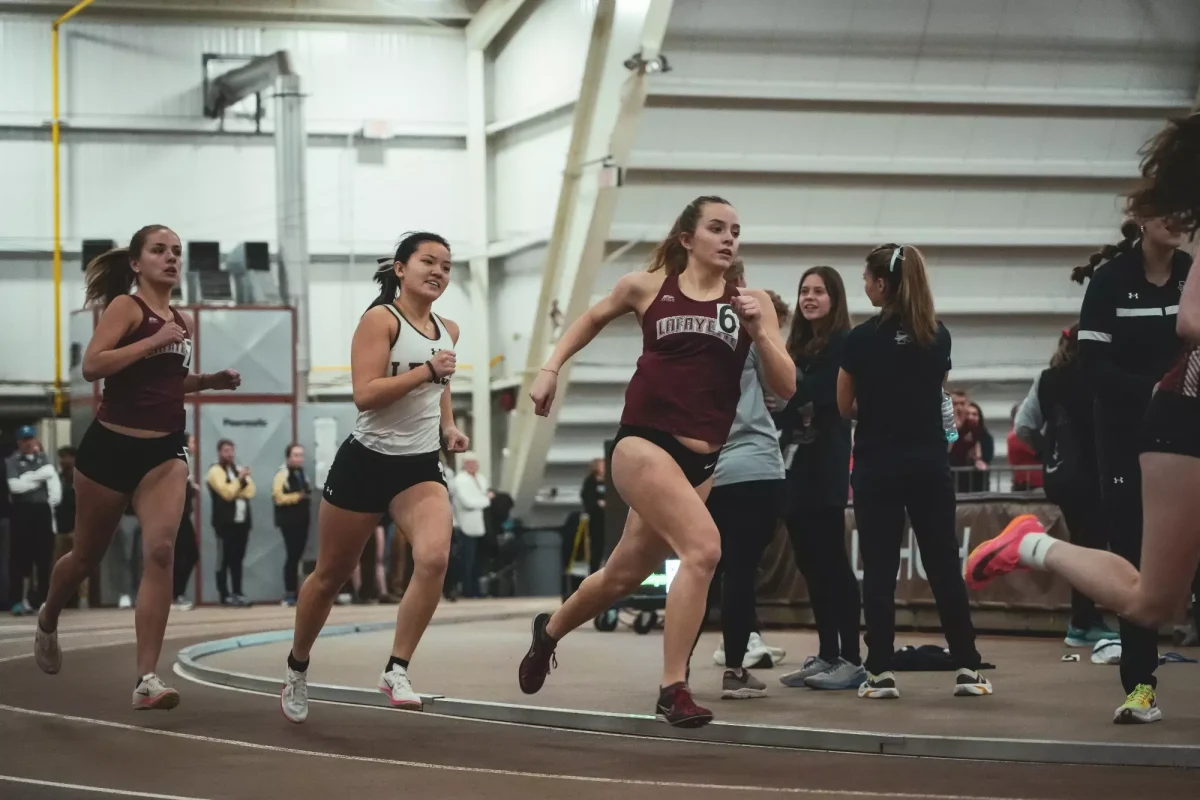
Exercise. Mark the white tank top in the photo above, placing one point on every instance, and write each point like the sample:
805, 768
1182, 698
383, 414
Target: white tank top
412, 424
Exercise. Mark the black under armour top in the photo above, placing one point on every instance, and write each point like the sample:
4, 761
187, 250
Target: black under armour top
1127, 336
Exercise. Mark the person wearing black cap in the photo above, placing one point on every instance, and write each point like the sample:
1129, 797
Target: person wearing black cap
36, 490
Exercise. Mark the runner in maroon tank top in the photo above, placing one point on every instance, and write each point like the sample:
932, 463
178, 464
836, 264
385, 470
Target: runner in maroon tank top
136, 450
679, 407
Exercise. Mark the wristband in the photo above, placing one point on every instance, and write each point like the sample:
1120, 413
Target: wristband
432, 372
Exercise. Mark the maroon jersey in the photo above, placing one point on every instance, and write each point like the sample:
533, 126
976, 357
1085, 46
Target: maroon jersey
1184, 376
689, 377
148, 394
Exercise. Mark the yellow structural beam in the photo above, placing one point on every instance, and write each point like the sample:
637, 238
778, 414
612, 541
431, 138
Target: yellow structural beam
55, 141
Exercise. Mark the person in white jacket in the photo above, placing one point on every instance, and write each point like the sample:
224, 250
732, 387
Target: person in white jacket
36, 491
472, 495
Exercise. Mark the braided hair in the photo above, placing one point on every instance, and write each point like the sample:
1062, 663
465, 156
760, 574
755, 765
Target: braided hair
1130, 232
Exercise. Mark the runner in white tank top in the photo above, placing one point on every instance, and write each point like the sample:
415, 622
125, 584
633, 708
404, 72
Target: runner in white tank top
409, 425
402, 359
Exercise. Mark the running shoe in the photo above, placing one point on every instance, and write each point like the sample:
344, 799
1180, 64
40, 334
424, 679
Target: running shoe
1087, 637
536, 664
182, 604
840, 675
741, 687
1001, 555
880, 687
759, 654
396, 685
1140, 707
293, 700
813, 665
969, 683
46, 651
152, 693
677, 708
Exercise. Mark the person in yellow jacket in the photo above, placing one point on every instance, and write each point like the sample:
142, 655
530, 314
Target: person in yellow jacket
292, 494
231, 489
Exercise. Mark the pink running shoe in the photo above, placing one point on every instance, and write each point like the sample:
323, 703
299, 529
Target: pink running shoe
1001, 555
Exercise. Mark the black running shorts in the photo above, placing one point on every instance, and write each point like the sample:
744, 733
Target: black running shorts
1172, 425
363, 480
697, 467
119, 462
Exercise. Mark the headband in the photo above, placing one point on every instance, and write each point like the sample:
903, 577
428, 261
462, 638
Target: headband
897, 255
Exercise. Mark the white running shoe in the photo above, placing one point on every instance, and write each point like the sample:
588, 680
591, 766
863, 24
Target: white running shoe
182, 604
152, 693
293, 700
46, 651
396, 685
125, 601
759, 655
756, 643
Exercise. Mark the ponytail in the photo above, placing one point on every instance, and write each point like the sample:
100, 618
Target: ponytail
670, 255
110, 275
389, 282
1130, 231
903, 272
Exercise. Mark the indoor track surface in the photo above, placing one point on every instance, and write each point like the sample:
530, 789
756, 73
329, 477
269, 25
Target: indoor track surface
74, 735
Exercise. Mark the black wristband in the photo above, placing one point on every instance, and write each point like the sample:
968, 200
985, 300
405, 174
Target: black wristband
432, 372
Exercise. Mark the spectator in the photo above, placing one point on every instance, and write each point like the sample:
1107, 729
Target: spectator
64, 517
187, 549
987, 448
592, 495
292, 494
472, 495
967, 453
231, 489
1022, 455
5, 515
36, 491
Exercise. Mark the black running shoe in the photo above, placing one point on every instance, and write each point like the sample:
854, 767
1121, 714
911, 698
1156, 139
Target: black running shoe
677, 709
536, 664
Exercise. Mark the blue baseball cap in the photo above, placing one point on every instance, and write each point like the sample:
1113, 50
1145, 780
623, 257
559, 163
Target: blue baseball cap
26, 432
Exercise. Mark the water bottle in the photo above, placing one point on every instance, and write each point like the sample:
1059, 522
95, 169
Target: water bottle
949, 426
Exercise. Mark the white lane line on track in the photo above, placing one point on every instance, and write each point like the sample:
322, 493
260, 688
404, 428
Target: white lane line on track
79, 787
497, 772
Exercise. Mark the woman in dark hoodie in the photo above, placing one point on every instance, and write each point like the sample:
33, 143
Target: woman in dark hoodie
816, 442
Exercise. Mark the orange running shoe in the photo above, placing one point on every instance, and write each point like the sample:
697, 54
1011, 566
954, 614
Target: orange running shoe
1001, 555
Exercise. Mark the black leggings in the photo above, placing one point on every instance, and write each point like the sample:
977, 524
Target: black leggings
919, 482
1085, 521
818, 539
1121, 500
746, 514
295, 537
186, 555
231, 542
31, 553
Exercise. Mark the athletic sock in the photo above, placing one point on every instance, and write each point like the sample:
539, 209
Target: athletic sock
1033, 549
42, 627
396, 662
296, 666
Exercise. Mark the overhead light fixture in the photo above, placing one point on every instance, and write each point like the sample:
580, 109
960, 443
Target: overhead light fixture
641, 65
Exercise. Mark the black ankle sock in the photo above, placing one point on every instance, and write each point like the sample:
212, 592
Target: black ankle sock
296, 666
393, 661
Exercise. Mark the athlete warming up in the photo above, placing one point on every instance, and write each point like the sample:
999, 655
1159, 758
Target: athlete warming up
1168, 435
679, 407
401, 361
136, 449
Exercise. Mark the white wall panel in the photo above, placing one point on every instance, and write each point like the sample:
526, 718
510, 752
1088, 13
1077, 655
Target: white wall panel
225, 191
139, 76
540, 62
515, 286
527, 171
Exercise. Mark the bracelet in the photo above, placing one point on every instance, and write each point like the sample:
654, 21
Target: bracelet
547, 369
432, 372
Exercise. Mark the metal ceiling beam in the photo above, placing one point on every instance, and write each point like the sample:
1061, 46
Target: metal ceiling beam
450, 13
489, 20
606, 116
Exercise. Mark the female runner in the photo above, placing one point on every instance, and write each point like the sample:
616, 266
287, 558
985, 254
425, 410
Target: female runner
1169, 519
136, 449
401, 361
679, 407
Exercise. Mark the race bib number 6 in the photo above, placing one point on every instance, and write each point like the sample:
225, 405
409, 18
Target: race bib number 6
727, 319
